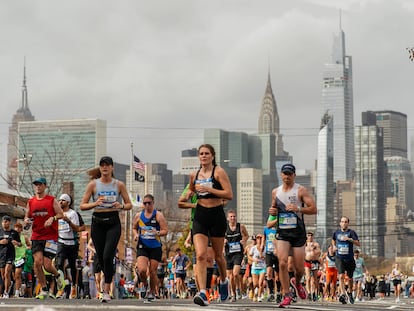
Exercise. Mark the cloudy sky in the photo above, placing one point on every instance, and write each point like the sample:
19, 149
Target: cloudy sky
161, 71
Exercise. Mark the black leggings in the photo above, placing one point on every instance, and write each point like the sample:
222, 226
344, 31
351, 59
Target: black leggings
105, 233
69, 252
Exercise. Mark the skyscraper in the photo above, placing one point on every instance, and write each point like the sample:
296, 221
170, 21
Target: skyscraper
395, 132
269, 118
337, 99
324, 180
249, 202
22, 114
370, 190
62, 151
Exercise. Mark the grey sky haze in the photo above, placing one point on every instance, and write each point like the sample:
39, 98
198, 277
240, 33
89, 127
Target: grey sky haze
161, 71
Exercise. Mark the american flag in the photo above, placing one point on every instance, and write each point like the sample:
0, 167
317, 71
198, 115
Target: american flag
138, 165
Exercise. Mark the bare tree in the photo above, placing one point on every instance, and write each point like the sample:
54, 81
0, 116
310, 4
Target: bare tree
177, 231
411, 53
56, 161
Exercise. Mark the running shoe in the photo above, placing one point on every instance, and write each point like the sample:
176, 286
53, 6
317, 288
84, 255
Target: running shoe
342, 299
150, 297
106, 297
224, 290
300, 290
60, 294
73, 293
60, 280
279, 298
238, 294
201, 299
271, 298
42, 295
51, 295
287, 300
350, 298
5, 295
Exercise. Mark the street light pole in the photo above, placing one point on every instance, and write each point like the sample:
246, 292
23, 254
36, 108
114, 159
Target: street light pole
26, 160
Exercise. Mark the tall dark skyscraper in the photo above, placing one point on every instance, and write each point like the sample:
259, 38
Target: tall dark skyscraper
22, 114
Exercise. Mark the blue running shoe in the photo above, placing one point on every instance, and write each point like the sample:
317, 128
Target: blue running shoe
224, 290
201, 299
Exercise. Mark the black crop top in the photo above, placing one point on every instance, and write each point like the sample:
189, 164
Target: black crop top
208, 182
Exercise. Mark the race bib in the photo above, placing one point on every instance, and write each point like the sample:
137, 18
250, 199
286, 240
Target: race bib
64, 226
343, 250
51, 247
147, 233
234, 247
287, 221
314, 265
19, 262
203, 182
179, 268
109, 197
270, 246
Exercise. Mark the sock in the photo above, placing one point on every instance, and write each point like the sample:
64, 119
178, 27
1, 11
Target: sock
278, 285
271, 286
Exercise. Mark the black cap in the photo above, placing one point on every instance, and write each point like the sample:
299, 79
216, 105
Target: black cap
6, 217
288, 168
107, 160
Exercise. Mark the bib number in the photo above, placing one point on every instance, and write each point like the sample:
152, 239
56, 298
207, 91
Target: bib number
343, 250
234, 247
19, 262
51, 247
288, 221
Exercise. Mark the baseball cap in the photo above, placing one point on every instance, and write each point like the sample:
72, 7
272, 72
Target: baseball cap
39, 180
6, 217
288, 168
107, 160
66, 198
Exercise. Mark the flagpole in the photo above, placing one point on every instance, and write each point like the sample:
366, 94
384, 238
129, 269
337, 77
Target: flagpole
131, 180
145, 178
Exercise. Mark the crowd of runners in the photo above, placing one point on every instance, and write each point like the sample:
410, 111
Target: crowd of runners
281, 264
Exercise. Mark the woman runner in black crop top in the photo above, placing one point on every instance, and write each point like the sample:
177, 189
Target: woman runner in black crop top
213, 189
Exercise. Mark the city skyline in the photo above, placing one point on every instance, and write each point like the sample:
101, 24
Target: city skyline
161, 74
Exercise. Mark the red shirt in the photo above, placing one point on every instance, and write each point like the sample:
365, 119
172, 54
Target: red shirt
41, 210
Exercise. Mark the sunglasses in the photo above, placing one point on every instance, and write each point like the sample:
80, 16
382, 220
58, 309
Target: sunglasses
147, 203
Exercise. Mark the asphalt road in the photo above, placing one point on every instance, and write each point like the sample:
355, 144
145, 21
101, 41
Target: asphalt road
26, 304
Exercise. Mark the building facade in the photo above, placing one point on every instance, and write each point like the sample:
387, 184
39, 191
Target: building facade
394, 125
370, 190
324, 180
62, 151
249, 203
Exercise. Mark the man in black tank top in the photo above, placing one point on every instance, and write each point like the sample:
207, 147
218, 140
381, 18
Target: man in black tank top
235, 242
289, 202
